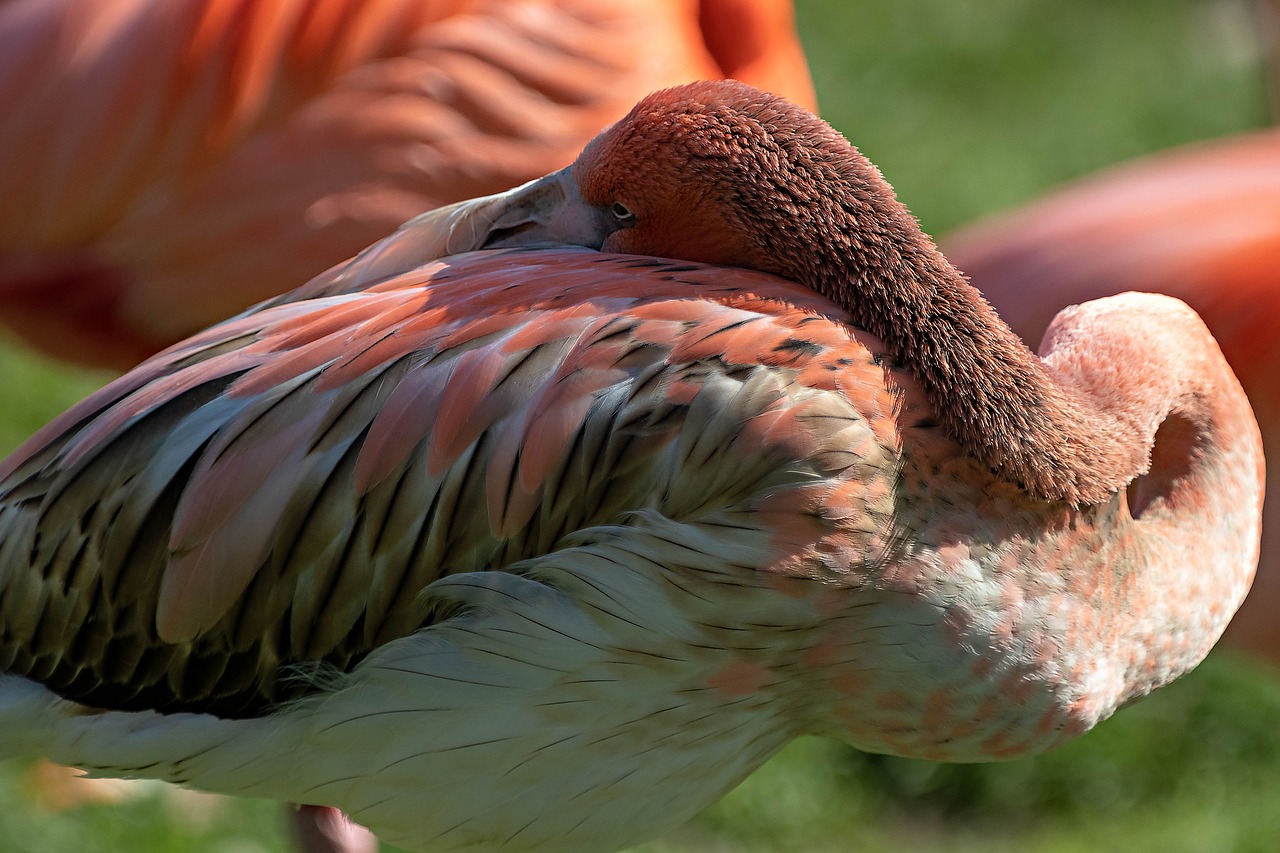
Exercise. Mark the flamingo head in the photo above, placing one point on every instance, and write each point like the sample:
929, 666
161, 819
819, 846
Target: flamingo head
717, 172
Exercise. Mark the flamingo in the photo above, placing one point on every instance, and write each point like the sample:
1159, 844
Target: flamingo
542, 523
1201, 223
173, 163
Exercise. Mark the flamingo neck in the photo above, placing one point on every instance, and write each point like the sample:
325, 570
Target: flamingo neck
1057, 438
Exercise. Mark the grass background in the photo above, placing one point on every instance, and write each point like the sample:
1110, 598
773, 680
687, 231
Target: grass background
968, 106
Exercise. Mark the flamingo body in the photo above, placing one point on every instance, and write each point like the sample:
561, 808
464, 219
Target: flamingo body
535, 547
1200, 223
181, 161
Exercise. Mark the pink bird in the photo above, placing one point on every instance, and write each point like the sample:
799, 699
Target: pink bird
548, 548
1200, 223
170, 164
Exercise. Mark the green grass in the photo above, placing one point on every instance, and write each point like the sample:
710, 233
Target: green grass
968, 106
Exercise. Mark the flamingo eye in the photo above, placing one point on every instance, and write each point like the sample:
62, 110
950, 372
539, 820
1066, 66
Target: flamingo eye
622, 214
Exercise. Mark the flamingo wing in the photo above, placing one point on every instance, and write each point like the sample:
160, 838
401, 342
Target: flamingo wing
280, 488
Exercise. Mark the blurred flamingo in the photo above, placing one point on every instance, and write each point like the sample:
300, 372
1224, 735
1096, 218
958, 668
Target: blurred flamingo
548, 548
172, 163
1201, 223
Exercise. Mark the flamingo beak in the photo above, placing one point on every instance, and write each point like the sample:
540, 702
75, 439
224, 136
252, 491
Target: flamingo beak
546, 212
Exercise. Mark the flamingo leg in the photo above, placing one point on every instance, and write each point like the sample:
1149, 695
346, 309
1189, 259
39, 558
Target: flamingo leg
324, 829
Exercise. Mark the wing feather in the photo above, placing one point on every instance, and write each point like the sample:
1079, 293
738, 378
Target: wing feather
279, 490
394, 430
469, 405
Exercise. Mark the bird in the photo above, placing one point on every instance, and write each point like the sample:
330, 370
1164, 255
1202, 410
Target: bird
181, 161
1200, 222
542, 523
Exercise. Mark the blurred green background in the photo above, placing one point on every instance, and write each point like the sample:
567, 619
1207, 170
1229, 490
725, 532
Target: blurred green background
968, 106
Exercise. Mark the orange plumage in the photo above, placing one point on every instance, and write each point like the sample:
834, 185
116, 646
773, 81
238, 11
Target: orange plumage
173, 163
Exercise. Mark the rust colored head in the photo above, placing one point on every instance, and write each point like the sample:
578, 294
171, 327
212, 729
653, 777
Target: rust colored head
721, 172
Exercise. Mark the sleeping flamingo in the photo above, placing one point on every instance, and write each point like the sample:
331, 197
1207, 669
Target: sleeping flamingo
1201, 223
172, 163
671, 456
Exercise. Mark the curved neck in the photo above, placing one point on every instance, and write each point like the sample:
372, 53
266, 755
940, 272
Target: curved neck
1055, 438
1032, 425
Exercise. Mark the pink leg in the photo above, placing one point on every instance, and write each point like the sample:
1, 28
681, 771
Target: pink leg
321, 829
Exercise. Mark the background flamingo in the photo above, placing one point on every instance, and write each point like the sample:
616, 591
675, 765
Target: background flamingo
182, 160
1202, 224
719, 514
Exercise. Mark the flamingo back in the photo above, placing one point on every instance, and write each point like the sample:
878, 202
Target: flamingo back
181, 161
